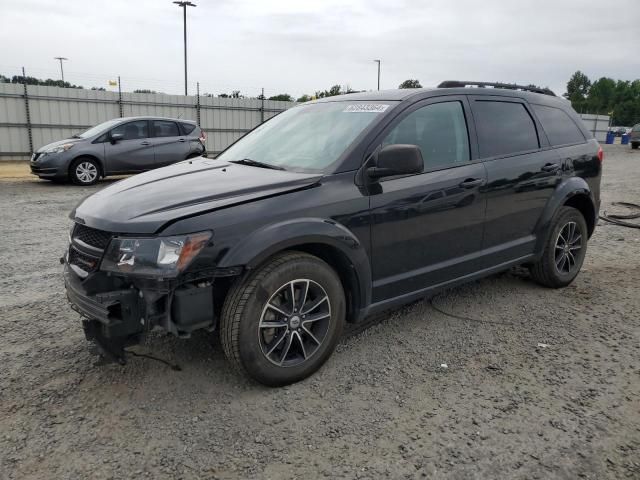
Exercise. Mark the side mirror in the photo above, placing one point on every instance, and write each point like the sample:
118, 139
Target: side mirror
399, 159
116, 137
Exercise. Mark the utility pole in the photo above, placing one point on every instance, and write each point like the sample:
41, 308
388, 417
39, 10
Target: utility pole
61, 69
378, 62
184, 6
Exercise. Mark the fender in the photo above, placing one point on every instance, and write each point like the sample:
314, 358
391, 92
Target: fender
271, 239
567, 189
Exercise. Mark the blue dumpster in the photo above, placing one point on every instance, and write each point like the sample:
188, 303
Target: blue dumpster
625, 139
610, 137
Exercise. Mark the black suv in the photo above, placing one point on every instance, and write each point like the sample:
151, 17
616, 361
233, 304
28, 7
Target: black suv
334, 210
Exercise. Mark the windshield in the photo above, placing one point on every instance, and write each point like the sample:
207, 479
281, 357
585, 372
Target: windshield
98, 128
308, 138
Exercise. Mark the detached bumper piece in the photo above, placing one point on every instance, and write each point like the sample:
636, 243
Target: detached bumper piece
113, 320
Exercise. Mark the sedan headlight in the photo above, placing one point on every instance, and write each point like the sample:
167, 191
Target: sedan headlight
155, 257
60, 148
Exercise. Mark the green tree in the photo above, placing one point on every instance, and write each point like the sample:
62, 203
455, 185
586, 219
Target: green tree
284, 97
49, 82
577, 88
410, 83
601, 96
303, 98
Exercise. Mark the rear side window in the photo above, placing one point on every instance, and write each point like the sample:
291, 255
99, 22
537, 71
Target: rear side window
440, 130
162, 128
187, 128
504, 128
636, 128
558, 126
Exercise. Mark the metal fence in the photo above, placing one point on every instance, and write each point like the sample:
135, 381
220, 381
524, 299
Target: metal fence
32, 115
596, 124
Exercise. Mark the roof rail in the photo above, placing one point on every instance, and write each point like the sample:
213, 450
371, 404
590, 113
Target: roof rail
508, 86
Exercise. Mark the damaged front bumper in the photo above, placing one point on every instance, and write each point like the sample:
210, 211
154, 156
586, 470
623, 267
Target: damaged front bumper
119, 312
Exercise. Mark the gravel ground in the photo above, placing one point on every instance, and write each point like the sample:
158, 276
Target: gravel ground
539, 383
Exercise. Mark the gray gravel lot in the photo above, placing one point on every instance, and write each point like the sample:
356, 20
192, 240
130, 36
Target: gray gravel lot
382, 407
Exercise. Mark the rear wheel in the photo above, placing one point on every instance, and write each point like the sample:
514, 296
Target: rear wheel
635, 145
564, 251
84, 171
282, 322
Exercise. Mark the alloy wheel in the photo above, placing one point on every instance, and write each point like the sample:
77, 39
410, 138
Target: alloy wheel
294, 322
568, 246
86, 172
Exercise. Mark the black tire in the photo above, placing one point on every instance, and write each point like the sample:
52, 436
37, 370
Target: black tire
84, 171
550, 270
242, 330
634, 146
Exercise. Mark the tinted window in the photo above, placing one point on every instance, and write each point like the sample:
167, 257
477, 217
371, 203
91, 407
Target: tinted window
558, 126
187, 128
132, 130
504, 128
163, 128
440, 130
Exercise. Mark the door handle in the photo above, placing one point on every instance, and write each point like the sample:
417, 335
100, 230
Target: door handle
145, 143
182, 140
550, 167
471, 182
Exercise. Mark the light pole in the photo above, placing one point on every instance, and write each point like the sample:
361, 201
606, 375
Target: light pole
184, 6
378, 62
61, 69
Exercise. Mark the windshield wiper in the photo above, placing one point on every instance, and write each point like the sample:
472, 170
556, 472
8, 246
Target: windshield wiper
75, 135
256, 163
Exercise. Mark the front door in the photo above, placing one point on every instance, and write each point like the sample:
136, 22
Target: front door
134, 152
427, 228
169, 145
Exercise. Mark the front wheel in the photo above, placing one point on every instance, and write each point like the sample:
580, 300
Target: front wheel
564, 251
635, 145
84, 171
281, 323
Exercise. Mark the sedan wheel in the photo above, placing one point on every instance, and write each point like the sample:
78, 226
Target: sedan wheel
85, 171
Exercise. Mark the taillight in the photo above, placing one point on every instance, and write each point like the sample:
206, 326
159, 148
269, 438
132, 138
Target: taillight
203, 137
600, 154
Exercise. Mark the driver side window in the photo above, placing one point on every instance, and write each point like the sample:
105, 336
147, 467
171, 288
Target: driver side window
440, 130
133, 130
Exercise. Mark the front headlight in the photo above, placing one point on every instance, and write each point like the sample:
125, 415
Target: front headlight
60, 148
155, 257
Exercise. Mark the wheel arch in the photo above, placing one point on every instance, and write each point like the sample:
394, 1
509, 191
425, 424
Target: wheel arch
325, 239
575, 192
583, 203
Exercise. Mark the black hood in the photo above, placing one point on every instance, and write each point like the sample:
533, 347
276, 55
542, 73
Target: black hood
146, 202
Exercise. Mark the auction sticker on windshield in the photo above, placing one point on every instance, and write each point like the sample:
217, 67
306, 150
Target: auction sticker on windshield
366, 107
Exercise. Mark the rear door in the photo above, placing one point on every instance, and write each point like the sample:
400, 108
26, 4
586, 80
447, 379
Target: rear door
170, 146
134, 153
522, 173
427, 228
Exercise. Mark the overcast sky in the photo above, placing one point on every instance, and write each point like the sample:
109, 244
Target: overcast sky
307, 45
